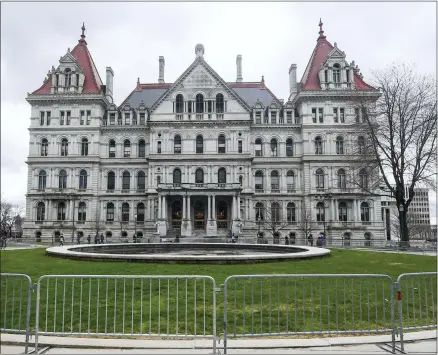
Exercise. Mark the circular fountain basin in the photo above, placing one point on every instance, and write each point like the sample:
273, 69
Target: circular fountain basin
198, 253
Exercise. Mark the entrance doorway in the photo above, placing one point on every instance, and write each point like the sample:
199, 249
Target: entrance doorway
176, 214
222, 215
57, 235
199, 210
38, 236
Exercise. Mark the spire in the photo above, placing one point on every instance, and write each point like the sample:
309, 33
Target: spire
321, 32
82, 40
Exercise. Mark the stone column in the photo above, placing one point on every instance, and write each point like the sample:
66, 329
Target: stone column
188, 207
332, 207
184, 216
336, 210
159, 207
163, 214
238, 206
209, 207
213, 207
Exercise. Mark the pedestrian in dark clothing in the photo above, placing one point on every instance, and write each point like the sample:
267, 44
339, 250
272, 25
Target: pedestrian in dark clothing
286, 240
177, 238
96, 240
89, 239
61, 240
102, 238
310, 240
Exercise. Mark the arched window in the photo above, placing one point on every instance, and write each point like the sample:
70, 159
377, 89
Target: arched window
110, 212
258, 147
177, 144
179, 104
259, 180
290, 180
61, 211
41, 211
44, 147
220, 103
199, 176
141, 180
289, 147
112, 148
126, 180
67, 81
275, 181
318, 145
177, 176
320, 212
84, 147
319, 179
111, 183
222, 176
291, 212
127, 149
199, 103
221, 144
62, 179
336, 73
141, 148
363, 179
64, 147
199, 144
275, 212
342, 211
339, 145
342, 183
125, 212
140, 212
82, 212
83, 180
361, 144
259, 209
42, 179
273, 147
364, 212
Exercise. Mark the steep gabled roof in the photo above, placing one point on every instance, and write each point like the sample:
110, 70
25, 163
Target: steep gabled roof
146, 93
81, 54
251, 92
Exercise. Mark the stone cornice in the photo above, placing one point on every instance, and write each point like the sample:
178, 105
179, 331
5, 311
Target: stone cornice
67, 98
190, 124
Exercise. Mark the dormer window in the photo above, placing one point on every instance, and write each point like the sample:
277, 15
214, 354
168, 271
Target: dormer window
127, 118
336, 73
219, 103
258, 117
274, 117
142, 118
67, 81
112, 119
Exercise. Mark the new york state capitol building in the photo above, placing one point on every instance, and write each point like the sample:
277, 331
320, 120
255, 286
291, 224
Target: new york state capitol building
199, 157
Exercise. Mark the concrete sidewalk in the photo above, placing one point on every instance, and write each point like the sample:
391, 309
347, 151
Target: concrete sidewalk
419, 342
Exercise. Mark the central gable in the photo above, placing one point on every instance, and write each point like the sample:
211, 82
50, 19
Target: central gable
199, 78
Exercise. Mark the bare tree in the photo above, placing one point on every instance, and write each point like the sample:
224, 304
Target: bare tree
305, 223
395, 148
97, 224
10, 218
272, 219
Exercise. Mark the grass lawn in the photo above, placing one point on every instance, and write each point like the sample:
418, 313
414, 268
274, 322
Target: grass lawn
184, 306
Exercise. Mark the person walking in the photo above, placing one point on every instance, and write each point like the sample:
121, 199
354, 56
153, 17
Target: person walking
286, 240
3, 242
61, 240
89, 239
310, 240
102, 238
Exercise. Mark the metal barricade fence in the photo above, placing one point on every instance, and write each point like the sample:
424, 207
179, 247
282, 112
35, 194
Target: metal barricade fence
15, 302
417, 302
302, 304
154, 306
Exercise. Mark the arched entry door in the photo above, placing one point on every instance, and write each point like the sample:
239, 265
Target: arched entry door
176, 214
57, 235
222, 215
199, 215
38, 236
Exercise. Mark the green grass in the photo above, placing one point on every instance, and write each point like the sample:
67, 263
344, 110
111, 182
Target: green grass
275, 305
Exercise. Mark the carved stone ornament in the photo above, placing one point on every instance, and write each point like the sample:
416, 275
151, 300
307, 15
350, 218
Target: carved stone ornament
200, 78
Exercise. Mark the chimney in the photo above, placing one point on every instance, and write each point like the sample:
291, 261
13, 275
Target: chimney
161, 71
109, 84
293, 78
239, 68
281, 101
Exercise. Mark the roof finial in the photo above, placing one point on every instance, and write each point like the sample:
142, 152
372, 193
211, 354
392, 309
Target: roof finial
82, 40
138, 81
321, 32
263, 80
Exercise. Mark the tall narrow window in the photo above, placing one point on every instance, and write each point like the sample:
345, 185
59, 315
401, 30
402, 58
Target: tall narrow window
342, 183
361, 144
83, 180
48, 114
321, 115
142, 118
289, 147
289, 117
356, 114
111, 183
67, 81
319, 179
44, 147
258, 117
320, 212
258, 147
314, 115
290, 180
221, 144
141, 148
126, 180
222, 176
274, 117
64, 147
239, 146
127, 149
363, 179
220, 103
339, 145
62, 183
41, 211
199, 145
127, 118
177, 144
82, 118
68, 114
112, 119
364, 212
335, 115
159, 147
241, 180
199, 103
342, 115
112, 148
61, 211
336, 73
318, 145
84, 147
275, 181
140, 212
179, 104
259, 180
42, 179
110, 212
342, 211
82, 212
41, 118
61, 117
141, 180
259, 210
274, 150
291, 213
125, 212
199, 176
177, 176
275, 212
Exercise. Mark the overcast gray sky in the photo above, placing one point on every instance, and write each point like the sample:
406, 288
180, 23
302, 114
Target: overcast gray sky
130, 37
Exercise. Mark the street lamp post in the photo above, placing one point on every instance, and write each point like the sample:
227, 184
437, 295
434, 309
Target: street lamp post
135, 227
402, 225
322, 198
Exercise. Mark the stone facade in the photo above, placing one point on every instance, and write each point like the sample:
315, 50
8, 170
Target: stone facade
199, 157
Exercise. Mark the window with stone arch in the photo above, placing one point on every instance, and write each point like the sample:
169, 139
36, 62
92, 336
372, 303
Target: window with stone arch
290, 179
126, 180
221, 144
141, 180
177, 176
82, 212
289, 147
339, 145
177, 144
363, 179
274, 147
342, 181
365, 212
62, 179
259, 211
41, 211
67, 74
111, 181
361, 144
336, 73
275, 212
342, 208
222, 176
61, 211
64, 147
220, 103
110, 212
127, 148
140, 212
44, 147
318, 145
83, 180
275, 181
291, 212
258, 147
320, 212
199, 144
42, 180
319, 179
199, 176
199, 103
125, 212
258, 180
179, 103
84, 147
112, 149
141, 148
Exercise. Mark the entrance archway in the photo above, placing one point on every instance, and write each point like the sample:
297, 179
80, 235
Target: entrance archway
346, 240
38, 236
57, 236
176, 214
222, 215
199, 210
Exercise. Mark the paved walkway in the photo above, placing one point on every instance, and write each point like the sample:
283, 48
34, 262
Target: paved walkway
418, 342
